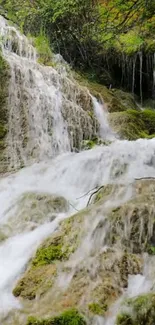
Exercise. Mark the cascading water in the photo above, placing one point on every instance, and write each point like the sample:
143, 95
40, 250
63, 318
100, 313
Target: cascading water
47, 111
54, 118
101, 114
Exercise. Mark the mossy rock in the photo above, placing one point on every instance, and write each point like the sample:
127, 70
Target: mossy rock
68, 317
148, 117
141, 310
55, 249
97, 309
33, 209
36, 280
126, 99
103, 193
40, 276
132, 124
106, 192
47, 255
55, 259
115, 100
89, 144
132, 225
112, 273
149, 104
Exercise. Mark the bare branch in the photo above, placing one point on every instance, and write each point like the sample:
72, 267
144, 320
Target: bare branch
87, 193
94, 193
73, 207
138, 179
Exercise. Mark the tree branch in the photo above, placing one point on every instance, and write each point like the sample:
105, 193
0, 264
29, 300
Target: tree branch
94, 194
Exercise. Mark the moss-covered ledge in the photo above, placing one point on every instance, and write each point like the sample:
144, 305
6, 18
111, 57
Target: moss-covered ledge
68, 317
43, 268
140, 310
132, 124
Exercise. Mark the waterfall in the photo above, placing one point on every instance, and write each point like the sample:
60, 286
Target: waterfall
49, 116
48, 112
71, 175
101, 113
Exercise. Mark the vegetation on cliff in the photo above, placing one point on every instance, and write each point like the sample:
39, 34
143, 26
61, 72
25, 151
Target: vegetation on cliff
112, 40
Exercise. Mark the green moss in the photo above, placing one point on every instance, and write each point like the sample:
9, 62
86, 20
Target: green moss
103, 193
47, 255
43, 268
130, 223
97, 309
124, 319
87, 144
133, 124
115, 100
148, 117
33, 209
126, 99
142, 311
69, 317
36, 281
151, 250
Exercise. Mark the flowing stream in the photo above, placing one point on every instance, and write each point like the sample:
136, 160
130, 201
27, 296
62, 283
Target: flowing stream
52, 166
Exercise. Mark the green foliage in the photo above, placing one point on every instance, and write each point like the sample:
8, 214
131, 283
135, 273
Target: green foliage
94, 36
43, 48
69, 317
130, 42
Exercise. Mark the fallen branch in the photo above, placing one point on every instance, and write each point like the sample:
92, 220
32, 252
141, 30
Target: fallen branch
94, 193
87, 193
73, 207
138, 179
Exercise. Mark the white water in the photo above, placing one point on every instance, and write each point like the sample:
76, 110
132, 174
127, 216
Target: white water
102, 115
69, 174
47, 110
